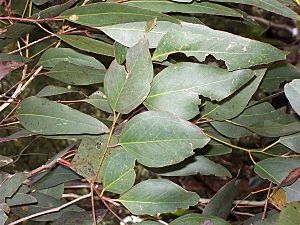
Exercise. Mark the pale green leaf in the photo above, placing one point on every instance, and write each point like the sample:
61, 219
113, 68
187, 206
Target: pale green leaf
157, 196
192, 166
127, 87
198, 219
88, 44
200, 41
46, 117
291, 141
120, 52
9, 186
99, 100
3, 217
158, 139
105, 14
118, 171
290, 214
292, 92
276, 170
236, 104
177, 88
53, 90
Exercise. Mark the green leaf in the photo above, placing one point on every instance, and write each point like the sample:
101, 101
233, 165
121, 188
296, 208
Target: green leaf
195, 8
105, 14
45, 202
148, 222
118, 171
292, 92
46, 117
55, 191
197, 219
264, 120
158, 139
9, 186
80, 218
177, 88
278, 74
126, 88
230, 130
3, 217
271, 219
291, 141
276, 170
225, 195
53, 90
88, 44
4, 160
54, 56
99, 100
129, 34
20, 199
200, 41
55, 177
192, 166
40, 2
290, 214
157, 196
120, 52
70, 73
270, 5
236, 104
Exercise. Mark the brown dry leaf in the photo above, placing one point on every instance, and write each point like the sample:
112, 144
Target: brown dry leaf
278, 198
291, 177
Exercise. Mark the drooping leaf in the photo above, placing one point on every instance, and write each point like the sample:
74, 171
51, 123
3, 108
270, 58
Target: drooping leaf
195, 8
4, 160
10, 185
118, 171
99, 100
192, 166
20, 199
276, 170
177, 88
291, 141
157, 196
225, 195
105, 14
290, 215
158, 139
292, 92
129, 34
197, 219
82, 218
200, 41
46, 117
45, 202
55, 177
127, 87
236, 104
264, 120
270, 5
277, 74
88, 44
53, 90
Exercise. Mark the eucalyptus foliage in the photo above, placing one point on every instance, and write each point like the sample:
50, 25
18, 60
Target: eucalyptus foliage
170, 91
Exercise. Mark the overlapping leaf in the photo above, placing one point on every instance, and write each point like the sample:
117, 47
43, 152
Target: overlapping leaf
158, 139
46, 117
292, 92
177, 88
157, 196
105, 14
200, 41
196, 219
127, 87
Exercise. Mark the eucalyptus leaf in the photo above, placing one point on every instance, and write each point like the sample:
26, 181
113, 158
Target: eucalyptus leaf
105, 14
20, 199
292, 92
200, 41
99, 100
157, 196
276, 169
291, 141
177, 88
3, 217
290, 214
158, 139
127, 87
53, 90
46, 117
10, 185
197, 219
120, 52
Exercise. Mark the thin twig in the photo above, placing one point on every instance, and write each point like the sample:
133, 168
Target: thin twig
30, 20
56, 209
